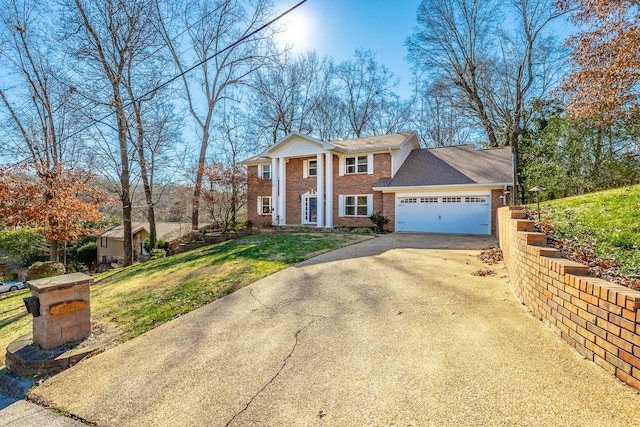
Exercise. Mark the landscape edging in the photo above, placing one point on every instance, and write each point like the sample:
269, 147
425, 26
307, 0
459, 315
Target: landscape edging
597, 318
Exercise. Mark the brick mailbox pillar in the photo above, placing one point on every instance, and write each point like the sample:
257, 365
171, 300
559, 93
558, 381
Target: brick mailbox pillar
65, 314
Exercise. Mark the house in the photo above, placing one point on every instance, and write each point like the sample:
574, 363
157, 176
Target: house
301, 180
111, 242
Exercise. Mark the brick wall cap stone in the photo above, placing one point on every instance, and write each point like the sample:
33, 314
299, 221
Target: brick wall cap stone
54, 283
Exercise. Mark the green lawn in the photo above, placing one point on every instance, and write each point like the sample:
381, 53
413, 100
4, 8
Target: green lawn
609, 219
146, 295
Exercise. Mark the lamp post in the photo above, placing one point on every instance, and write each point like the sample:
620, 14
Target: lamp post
537, 189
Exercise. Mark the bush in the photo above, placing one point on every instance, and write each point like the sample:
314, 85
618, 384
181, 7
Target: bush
379, 220
87, 254
160, 244
158, 253
40, 270
8, 275
362, 230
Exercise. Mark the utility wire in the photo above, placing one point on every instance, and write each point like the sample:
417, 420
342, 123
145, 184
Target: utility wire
171, 80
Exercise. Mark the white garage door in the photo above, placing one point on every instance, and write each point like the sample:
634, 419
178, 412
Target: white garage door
450, 214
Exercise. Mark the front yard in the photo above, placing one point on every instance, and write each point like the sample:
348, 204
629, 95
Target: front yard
143, 296
605, 224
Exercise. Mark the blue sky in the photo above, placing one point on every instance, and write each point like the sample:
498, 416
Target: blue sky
338, 27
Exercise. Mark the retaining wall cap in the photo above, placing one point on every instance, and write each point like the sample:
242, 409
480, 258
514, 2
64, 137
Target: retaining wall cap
58, 282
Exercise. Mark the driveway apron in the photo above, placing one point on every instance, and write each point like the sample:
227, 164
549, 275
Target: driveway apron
392, 331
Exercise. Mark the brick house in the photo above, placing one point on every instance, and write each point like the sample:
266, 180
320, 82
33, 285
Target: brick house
304, 181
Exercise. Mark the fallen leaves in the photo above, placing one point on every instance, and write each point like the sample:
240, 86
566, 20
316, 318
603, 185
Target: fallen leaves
491, 255
483, 273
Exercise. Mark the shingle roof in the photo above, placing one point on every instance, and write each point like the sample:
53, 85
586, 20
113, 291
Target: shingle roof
370, 143
166, 231
455, 165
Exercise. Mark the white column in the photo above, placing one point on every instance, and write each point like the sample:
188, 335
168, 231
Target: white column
282, 196
329, 191
274, 190
320, 190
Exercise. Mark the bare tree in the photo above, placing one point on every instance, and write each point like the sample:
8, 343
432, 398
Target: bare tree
494, 70
288, 92
37, 108
435, 116
210, 27
112, 38
369, 88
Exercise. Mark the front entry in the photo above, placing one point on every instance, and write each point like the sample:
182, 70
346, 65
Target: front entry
310, 209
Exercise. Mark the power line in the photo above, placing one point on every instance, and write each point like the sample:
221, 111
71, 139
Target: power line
174, 78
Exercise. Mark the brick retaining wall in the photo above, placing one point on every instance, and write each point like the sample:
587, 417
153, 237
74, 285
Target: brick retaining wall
598, 318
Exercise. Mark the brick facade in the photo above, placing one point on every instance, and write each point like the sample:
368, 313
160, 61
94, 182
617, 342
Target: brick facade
257, 187
360, 184
597, 318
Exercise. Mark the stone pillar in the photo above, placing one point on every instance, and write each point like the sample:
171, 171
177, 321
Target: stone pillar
65, 312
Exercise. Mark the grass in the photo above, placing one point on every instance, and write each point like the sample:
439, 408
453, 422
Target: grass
143, 296
608, 219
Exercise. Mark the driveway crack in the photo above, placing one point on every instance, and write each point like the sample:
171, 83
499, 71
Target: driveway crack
273, 378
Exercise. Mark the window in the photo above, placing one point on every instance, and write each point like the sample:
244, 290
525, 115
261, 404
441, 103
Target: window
409, 200
313, 168
359, 164
451, 199
264, 205
103, 242
265, 172
428, 200
355, 206
475, 200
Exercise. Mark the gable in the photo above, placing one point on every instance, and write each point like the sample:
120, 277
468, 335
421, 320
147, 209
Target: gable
296, 145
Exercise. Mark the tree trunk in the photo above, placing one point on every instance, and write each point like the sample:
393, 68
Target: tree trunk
125, 195
197, 188
54, 253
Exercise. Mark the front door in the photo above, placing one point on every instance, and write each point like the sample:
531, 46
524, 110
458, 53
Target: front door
310, 213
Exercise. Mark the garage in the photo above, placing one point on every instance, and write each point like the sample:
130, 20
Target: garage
461, 214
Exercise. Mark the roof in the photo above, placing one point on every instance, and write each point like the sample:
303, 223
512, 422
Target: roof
390, 141
455, 165
167, 231
374, 143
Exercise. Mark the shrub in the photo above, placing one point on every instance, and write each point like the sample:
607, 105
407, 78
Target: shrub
8, 275
158, 253
379, 220
362, 230
40, 270
87, 254
160, 244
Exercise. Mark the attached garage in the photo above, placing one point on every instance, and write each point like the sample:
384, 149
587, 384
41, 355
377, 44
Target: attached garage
452, 213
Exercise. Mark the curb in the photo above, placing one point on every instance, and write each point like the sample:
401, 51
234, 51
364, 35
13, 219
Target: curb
15, 386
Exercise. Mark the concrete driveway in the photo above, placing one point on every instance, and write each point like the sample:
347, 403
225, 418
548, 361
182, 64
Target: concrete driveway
392, 331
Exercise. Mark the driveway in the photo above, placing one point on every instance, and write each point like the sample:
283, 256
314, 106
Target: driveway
392, 331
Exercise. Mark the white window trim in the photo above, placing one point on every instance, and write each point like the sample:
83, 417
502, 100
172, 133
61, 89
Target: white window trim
259, 207
261, 171
305, 168
342, 205
343, 160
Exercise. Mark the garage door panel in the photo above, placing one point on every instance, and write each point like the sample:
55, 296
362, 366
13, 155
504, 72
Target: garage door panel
449, 214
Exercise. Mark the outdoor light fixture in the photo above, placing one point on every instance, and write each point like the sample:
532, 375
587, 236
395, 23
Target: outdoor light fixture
506, 197
537, 189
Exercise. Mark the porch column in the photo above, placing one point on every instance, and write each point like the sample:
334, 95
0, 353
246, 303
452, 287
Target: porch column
329, 190
282, 193
274, 191
320, 190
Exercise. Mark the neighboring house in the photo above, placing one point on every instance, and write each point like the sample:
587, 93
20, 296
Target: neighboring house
111, 242
304, 181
